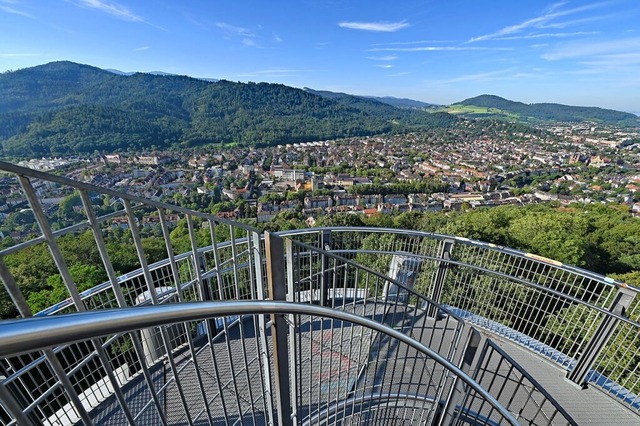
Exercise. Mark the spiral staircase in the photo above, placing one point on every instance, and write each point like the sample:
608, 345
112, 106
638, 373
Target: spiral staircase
330, 326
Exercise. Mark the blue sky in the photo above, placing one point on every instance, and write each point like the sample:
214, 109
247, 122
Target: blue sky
573, 52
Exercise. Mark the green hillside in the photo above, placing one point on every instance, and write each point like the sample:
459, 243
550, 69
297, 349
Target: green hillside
64, 107
495, 107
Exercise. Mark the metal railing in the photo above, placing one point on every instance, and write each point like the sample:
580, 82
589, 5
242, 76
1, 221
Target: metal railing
431, 288
587, 323
27, 335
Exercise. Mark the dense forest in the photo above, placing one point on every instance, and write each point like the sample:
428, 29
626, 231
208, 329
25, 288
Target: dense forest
66, 108
604, 239
552, 112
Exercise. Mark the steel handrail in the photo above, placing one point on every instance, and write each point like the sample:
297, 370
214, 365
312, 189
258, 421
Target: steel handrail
467, 241
23, 171
32, 334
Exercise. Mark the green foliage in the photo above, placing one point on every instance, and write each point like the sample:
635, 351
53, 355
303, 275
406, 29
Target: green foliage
64, 108
551, 112
84, 277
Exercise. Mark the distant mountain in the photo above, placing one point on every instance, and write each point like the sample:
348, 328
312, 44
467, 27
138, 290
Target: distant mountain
491, 105
389, 100
401, 102
64, 107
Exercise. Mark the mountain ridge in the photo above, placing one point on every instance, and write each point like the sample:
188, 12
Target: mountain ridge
545, 111
68, 108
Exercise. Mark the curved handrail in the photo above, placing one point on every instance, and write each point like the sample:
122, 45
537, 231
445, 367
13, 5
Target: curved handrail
467, 241
526, 283
383, 277
31, 334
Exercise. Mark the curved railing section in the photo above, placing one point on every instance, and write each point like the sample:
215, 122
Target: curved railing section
587, 323
240, 406
432, 288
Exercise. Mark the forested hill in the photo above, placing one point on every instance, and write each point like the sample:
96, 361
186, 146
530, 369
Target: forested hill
495, 105
64, 107
388, 100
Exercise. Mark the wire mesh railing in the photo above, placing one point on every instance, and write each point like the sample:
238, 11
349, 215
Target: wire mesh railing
514, 387
587, 323
236, 406
431, 288
315, 276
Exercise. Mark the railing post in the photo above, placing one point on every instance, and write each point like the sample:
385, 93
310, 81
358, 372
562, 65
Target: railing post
325, 244
11, 405
293, 323
458, 387
601, 337
440, 275
277, 291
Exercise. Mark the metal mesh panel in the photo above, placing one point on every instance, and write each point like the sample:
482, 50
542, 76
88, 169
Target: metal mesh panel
518, 392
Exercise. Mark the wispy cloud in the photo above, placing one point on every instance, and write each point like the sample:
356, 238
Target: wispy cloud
549, 19
387, 27
549, 35
247, 37
233, 30
141, 48
436, 49
484, 76
277, 38
408, 43
383, 58
20, 55
111, 8
9, 6
400, 74
590, 49
386, 66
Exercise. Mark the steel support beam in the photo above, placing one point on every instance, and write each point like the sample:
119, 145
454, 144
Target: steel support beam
601, 337
325, 244
440, 275
277, 291
458, 388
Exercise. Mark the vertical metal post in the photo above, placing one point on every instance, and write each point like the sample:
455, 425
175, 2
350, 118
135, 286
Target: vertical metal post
458, 387
601, 337
325, 244
60, 263
11, 405
262, 328
176, 279
293, 323
440, 275
277, 291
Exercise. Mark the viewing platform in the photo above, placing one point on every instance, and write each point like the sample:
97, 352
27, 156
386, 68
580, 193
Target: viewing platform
340, 326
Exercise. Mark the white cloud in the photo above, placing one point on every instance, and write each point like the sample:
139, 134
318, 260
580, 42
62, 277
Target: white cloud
548, 35
277, 38
387, 27
111, 8
436, 49
386, 66
400, 74
247, 37
383, 58
142, 48
235, 31
8, 7
587, 49
403, 43
485, 76
249, 42
19, 55
546, 20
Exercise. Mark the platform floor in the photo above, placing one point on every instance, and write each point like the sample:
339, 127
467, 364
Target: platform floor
229, 372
